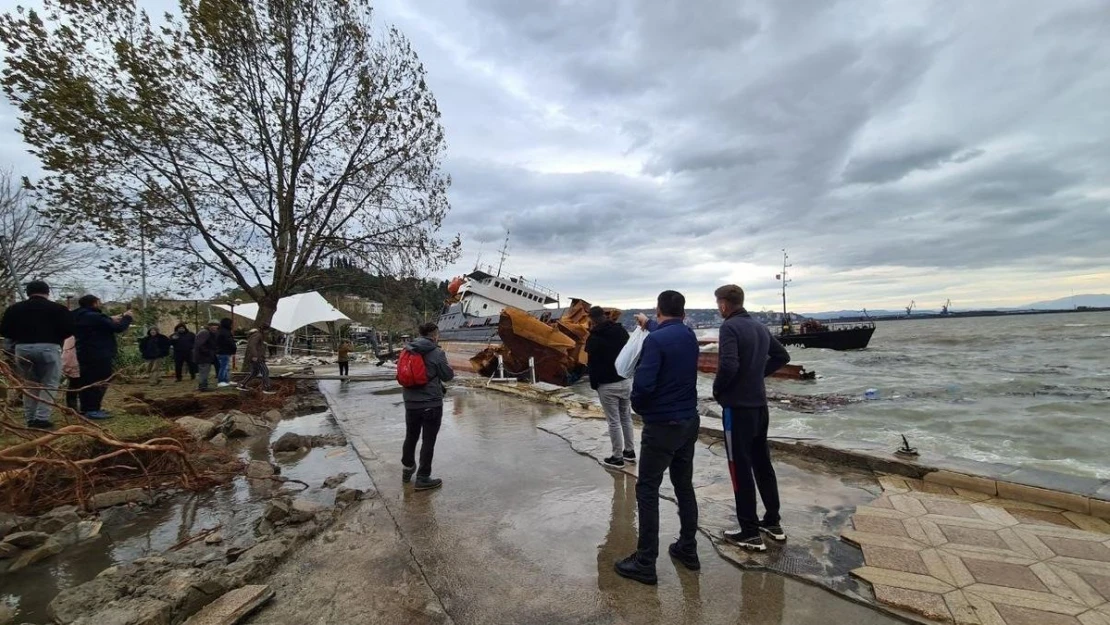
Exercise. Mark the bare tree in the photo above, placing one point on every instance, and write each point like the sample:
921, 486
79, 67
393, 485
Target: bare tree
31, 247
252, 139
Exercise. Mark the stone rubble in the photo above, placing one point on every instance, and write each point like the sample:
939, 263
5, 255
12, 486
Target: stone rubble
293, 442
336, 480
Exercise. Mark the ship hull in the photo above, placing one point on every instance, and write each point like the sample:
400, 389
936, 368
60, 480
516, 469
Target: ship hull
839, 340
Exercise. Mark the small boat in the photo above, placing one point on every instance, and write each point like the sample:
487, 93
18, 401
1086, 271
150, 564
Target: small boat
708, 359
812, 333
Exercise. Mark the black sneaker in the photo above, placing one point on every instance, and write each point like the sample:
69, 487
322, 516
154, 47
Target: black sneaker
689, 559
41, 424
751, 542
775, 532
427, 483
406, 473
614, 461
632, 568
629, 456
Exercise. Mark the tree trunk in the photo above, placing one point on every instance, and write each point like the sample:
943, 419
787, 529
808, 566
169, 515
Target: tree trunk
267, 306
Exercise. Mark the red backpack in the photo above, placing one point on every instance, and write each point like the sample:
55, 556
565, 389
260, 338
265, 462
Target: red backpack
411, 370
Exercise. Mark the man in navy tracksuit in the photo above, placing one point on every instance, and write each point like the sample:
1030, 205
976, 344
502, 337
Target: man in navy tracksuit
665, 395
747, 354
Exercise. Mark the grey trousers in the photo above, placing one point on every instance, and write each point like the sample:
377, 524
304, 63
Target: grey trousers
617, 403
40, 364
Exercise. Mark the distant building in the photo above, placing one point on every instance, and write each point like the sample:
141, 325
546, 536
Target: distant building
356, 306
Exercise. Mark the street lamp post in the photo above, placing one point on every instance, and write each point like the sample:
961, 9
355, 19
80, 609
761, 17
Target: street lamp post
233, 304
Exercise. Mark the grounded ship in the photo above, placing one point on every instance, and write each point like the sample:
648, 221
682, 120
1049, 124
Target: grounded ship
476, 301
814, 334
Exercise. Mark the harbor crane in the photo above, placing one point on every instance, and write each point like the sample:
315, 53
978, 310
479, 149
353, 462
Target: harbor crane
944, 309
909, 309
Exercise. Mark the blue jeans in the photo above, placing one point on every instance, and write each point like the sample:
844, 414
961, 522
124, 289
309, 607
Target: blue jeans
223, 368
40, 364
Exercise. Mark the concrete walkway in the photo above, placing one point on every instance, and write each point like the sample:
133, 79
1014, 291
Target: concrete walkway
524, 531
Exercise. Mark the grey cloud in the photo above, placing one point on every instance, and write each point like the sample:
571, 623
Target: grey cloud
883, 169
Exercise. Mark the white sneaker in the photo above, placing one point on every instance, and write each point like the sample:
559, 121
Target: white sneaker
224, 384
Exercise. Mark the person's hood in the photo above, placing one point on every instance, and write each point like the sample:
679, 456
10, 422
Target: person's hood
225, 324
84, 310
607, 328
184, 329
157, 332
422, 345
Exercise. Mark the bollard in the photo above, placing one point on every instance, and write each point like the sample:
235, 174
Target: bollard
500, 368
532, 368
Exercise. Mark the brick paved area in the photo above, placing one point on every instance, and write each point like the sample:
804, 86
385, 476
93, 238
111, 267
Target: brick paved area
969, 558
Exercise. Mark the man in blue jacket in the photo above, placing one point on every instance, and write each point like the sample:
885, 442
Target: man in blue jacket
665, 395
747, 354
96, 351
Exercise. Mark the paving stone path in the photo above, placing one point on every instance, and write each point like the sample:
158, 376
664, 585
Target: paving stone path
963, 557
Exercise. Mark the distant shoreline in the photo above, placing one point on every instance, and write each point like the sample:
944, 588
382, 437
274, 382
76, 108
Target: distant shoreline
969, 313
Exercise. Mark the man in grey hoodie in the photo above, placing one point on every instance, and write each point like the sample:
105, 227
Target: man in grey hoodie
424, 409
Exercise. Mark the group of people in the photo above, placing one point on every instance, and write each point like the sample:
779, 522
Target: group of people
48, 341
663, 392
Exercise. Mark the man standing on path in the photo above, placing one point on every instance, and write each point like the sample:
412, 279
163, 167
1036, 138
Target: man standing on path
747, 354
225, 349
605, 342
665, 395
204, 352
37, 327
96, 351
154, 347
424, 409
183, 341
256, 358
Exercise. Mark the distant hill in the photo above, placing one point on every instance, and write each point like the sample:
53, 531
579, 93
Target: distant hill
1067, 303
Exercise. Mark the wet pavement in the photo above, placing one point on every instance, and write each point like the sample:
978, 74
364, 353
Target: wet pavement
526, 531
234, 506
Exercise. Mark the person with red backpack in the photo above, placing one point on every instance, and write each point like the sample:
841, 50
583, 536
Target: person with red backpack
421, 370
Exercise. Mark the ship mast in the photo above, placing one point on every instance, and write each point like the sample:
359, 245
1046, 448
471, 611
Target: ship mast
504, 253
785, 281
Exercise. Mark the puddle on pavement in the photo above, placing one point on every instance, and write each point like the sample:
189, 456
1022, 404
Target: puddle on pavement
235, 506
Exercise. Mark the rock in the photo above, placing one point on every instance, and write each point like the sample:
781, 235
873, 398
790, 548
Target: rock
304, 510
8, 523
214, 538
289, 441
260, 469
38, 554
26, 540
117, 497
199, 429
240, 425
113, 517
219, 440
7, 614
134, 611
7, 551
277, 510
232, 607
273, 416
78, 532
56, 519
336, 480
347, 496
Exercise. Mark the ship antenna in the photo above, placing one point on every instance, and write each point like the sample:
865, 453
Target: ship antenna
785, 315
504, 253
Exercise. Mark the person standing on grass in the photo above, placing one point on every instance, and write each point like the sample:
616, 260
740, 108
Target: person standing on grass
225, 349
154, 347
183, 341
256, 357
424, 409
604, 344
205, 352
344, 358
747, 354
37, 327
96, 351
71, 370
665, 395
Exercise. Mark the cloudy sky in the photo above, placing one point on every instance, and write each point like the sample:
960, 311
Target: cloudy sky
898, 151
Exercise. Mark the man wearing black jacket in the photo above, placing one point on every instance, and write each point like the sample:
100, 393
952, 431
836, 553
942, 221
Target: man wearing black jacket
605, 342
747, 354
96, 351
37, 327
183, 340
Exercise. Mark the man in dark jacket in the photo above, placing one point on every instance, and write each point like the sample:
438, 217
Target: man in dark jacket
256, 357
605, 342
424, 409
183, 341
665, 395
37, 327
225, 349
96, 351
204, 352
154, 347
747, 354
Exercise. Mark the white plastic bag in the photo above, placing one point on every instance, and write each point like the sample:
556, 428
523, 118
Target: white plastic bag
630, 354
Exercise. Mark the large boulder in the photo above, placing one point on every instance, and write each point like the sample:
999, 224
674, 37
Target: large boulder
8, 550
117, 497
56, 519
26, 540
273, 416
38, 554
277, 510
241, 425
336, 480
200, 429
260, 470
290, 441
305, 510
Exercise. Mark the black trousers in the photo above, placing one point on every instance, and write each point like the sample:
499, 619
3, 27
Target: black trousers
94, 380
749, 464
667, 446
180, 359
421, 424
344, 367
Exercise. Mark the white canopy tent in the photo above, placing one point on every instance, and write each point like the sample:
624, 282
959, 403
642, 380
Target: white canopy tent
296, 312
